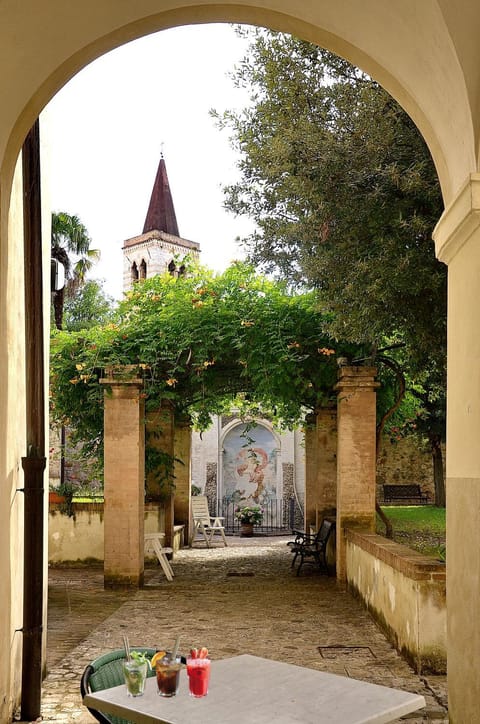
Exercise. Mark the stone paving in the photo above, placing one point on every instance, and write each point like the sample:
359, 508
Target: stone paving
240, 599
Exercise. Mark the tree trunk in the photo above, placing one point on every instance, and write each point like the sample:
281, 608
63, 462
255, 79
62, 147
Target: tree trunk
58, 304
438, 476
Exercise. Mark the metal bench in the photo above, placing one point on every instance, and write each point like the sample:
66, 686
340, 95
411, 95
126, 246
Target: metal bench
404, 493
312, 549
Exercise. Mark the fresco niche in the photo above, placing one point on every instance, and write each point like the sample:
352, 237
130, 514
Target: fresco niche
251, 466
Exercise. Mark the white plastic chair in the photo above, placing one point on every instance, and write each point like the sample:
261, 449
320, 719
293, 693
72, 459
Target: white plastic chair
204, 523
153, 541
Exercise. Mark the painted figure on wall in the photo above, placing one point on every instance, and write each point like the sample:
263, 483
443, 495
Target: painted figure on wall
250, 465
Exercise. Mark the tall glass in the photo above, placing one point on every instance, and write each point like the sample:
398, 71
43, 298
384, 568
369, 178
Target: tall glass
135, 674
168, 675
198, 671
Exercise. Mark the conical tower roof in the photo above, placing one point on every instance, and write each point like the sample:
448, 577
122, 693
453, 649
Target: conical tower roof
161, 212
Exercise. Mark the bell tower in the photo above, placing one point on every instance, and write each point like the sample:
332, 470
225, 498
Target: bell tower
159, 248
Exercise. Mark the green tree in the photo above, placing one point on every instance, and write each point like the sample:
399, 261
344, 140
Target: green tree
89, 307
345, 197
70, 246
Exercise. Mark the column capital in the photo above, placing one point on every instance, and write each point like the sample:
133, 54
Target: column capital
356, 377
119, 376
459, 221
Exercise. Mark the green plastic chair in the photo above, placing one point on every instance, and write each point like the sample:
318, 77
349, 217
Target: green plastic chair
105, 672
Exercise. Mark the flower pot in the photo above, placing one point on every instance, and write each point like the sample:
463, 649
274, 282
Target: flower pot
55, 497
246, 530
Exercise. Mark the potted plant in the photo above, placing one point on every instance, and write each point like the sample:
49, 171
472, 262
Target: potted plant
248, 515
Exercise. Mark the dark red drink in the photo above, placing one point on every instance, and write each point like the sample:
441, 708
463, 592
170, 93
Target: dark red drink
168, 676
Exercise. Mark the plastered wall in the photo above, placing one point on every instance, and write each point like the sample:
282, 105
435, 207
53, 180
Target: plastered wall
405, 592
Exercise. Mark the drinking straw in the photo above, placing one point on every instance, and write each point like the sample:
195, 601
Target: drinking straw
126, 646
175, 649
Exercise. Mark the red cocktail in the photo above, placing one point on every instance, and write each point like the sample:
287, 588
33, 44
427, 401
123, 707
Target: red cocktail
198, 671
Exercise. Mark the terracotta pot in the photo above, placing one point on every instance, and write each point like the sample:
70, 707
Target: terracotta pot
55, 498
246, 530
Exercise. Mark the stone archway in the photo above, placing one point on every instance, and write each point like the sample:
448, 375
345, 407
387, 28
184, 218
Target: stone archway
427, 57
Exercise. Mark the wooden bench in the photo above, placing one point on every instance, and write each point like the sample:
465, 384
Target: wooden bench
404, 493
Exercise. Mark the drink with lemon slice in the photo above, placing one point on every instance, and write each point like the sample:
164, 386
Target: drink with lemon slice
167, 671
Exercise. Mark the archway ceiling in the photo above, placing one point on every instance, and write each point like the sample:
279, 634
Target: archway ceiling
424, 52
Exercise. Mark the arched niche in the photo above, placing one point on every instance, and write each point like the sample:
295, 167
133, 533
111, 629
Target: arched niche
250, 464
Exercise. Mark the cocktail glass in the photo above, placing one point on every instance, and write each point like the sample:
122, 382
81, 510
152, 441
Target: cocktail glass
135, 675
198, 671
168, 675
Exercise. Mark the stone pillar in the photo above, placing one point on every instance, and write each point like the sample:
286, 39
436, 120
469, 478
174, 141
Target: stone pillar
182, 445
320, 467
356, 456
124, 479
160, 481
457, 239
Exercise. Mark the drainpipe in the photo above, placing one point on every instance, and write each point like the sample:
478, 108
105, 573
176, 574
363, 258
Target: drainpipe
34, 462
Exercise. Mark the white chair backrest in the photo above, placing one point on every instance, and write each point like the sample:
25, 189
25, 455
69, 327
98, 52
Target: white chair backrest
200, 508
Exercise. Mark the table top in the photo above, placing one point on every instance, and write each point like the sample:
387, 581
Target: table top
247, 688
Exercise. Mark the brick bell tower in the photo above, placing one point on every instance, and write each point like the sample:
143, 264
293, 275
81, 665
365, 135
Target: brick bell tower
159, 248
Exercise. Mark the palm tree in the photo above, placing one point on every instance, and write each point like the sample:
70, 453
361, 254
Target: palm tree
71, 247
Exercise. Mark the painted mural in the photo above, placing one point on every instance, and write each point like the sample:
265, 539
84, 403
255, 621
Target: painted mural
250, 466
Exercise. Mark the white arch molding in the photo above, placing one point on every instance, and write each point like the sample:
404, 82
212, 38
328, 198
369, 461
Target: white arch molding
405, 45
426, 54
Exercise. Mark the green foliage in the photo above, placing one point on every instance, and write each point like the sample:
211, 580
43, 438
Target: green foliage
421, 527
88, 307
249, 514
70, 245
344, 194
417, 518
198, 341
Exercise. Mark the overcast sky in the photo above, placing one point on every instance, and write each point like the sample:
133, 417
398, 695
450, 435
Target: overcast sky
106, 129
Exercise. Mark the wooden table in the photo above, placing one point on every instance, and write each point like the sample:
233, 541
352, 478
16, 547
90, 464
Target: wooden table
247, 689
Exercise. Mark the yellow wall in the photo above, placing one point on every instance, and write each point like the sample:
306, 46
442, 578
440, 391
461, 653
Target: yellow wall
80, 537
11, 450
405, 591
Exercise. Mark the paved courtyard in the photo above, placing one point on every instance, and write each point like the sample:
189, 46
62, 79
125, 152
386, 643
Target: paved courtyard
240, 599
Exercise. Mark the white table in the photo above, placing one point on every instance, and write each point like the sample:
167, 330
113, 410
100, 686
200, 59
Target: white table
247, 689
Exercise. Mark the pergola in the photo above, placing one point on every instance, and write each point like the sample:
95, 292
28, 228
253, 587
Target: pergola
341, 478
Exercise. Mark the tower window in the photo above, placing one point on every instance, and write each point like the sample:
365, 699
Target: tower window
171, 268
143, 269
134, 271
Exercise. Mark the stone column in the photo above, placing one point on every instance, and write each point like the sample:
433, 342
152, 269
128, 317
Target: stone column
320, 467
356, 456
124, 479
161, 481
182, 446
457, 239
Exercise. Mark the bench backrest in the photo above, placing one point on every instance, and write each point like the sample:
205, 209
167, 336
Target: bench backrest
324, 532
402, 490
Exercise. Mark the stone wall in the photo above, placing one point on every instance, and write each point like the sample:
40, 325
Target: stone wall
405, 461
